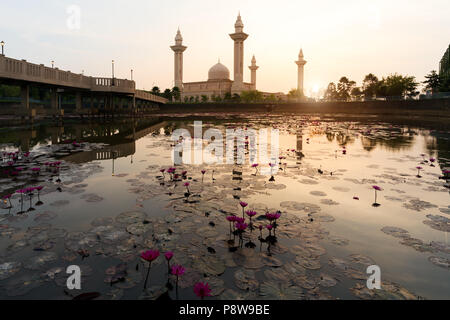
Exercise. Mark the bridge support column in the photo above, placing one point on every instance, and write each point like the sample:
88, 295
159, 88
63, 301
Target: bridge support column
25, 96
78, 102
54, 99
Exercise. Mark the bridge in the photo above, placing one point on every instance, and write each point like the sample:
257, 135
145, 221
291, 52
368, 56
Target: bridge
92, 94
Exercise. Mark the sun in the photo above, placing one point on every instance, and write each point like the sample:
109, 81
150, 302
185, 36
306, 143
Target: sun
315, 88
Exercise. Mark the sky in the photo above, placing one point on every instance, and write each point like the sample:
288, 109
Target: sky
339, 38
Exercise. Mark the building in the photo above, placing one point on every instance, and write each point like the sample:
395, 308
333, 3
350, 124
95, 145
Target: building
444, 65
219, 83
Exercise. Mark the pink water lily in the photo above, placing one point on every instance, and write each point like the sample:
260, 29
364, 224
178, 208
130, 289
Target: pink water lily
376, 188
202, 290
168, 255
177, 270
149, 256
418, 171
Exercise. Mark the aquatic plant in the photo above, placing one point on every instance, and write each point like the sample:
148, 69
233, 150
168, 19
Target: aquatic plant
177, 270
432, 161
29, 192
168, 255
187, 184
255, 166
376, 188
243, 205
21, 192
203, 173
251, 214
418, 171
149, 256
202, 290
231, 219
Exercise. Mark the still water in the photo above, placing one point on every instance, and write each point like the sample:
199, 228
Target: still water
108, 201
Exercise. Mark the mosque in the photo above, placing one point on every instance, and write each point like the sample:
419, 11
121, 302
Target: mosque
219, 82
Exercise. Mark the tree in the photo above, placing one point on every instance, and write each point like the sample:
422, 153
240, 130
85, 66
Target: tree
344, 88
156, 91
397, 85
167, 94
433, 82
331, 92
370, 86
251, 96
236, 98
356, 93
227, 96
271, 98
204, 98
176, 94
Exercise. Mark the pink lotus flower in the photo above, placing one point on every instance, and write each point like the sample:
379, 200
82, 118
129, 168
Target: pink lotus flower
8, 196
355, 198
377, 188
162, 170
255, 165
202, 290
168, 255
203, 171
184, 173
187, 184
243, 204
250, 213
269, 227
150, 255
241, 226
231, 218
177, 270
239, 220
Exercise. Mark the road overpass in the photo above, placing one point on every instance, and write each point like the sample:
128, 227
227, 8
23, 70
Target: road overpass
91, 94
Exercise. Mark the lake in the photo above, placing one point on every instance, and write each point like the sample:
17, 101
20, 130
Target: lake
104, 200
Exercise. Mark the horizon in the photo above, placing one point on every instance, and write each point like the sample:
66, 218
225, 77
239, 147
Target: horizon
326, 31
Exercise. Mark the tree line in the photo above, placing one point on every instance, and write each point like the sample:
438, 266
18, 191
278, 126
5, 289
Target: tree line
394, 86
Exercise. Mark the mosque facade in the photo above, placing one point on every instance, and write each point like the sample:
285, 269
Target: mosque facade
219, 83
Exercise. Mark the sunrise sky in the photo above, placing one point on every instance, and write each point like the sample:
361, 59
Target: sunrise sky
348, 37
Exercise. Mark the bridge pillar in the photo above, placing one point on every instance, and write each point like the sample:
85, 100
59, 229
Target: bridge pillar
54, 99
78, 101
25, 96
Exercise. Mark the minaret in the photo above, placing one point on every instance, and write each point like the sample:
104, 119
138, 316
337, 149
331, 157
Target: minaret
178, 48
253, 69
238, 37
301, 64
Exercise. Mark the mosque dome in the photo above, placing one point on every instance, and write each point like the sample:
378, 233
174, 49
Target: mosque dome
219, 72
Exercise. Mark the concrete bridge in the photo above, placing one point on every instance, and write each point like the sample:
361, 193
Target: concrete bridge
91, 93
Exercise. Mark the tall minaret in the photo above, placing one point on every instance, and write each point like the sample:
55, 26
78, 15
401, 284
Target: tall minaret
253, 69
178, 48
301, 64
238, 37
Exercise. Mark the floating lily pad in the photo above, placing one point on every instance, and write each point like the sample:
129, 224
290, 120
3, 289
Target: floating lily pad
131, 217
440, 262
272, 290
39, 261
8, 269
246, 280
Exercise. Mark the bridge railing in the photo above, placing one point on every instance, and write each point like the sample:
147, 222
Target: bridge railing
26, 71
113, 85
144, 95
22, 70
